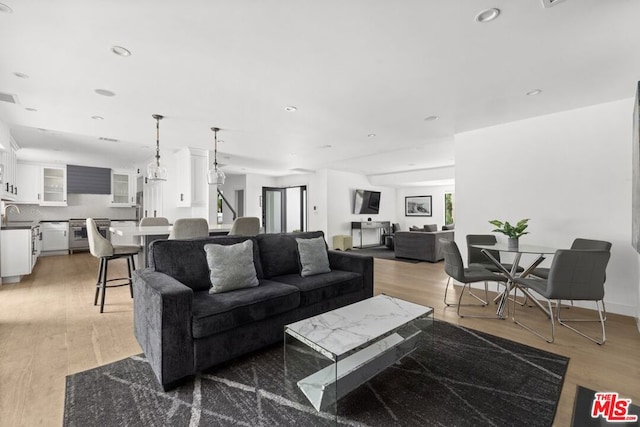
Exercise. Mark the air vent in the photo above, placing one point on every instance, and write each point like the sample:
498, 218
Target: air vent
102, 138
549, 3
7, 97
302, 170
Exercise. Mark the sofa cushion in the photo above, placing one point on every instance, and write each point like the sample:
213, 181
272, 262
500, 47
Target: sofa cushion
431, 227
314, 289
313, 256
186, 260
215, 313
231, 266
279, 252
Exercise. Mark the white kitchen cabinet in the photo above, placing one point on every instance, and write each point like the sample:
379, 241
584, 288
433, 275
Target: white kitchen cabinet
152, 201
191, 181
54, 186
16, 254
55, 236
9, 160
123, 193
30, 179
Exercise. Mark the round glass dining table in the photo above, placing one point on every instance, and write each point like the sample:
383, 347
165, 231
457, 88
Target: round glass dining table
540, 251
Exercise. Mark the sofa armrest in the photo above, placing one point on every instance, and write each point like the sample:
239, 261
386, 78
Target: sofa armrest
162, 324
362, 264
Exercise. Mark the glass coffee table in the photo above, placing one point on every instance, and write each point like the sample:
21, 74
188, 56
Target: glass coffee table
329, 355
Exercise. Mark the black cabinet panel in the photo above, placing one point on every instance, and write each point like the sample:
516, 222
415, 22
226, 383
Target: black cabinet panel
88, 180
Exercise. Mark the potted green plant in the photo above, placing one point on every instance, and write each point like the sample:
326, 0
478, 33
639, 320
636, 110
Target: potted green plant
513, 232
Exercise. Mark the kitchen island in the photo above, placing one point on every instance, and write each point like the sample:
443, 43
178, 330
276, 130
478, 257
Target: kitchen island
150, 233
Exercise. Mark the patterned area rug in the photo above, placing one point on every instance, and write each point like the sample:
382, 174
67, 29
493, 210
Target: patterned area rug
457, 377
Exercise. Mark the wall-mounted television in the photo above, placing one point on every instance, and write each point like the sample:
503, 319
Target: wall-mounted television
366, 202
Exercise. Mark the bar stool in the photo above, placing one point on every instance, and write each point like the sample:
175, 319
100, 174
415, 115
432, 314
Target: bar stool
102, 249
189, 228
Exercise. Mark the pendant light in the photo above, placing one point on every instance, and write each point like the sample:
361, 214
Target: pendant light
215, 176
155, 172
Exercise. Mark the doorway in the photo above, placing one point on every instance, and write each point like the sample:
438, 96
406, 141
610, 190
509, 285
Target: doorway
284, 209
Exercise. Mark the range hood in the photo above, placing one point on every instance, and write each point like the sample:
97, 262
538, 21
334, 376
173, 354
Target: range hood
88, 180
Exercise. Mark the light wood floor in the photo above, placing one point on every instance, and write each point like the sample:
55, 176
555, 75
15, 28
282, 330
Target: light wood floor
49, 328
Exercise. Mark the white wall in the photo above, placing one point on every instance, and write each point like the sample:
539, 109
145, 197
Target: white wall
340, 193
569, 172
437, 205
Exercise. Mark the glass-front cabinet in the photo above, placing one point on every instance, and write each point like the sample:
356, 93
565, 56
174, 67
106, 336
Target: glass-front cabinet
122, 189
54, 186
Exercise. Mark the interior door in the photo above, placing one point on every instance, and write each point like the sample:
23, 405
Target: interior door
284, 209
274, 209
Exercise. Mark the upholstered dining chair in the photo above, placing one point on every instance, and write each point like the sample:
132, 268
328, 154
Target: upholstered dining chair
579, 243
189, 228
150, 221
101, 248
454, 267
245, 226
575, 274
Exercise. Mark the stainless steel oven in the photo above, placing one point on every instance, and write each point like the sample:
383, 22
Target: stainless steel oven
78, 240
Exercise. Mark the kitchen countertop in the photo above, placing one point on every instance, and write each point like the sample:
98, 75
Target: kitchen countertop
20, 225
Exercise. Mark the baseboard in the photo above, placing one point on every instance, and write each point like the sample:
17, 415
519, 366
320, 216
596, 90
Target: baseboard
612, 307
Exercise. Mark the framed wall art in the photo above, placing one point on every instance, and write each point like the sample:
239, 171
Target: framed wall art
417, 206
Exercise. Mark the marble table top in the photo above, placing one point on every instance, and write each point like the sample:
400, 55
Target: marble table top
344, 329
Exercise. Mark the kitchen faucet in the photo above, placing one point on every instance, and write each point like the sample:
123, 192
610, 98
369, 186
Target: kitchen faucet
4, 212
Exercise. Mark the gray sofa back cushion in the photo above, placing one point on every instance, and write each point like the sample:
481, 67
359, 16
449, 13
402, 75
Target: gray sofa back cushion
279, 252
186, 260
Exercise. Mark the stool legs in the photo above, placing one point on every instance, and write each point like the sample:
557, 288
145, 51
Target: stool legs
95, 299
131, 265
101, 285
104, 283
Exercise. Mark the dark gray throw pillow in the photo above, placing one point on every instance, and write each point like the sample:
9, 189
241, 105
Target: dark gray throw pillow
231, 266
431, 227
313, 256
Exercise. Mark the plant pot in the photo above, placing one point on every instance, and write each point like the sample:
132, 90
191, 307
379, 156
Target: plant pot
512, 243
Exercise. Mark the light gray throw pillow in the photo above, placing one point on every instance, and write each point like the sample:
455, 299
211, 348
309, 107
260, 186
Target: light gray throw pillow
313, 256
231, 266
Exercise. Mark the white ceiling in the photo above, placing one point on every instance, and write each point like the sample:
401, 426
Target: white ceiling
352, 68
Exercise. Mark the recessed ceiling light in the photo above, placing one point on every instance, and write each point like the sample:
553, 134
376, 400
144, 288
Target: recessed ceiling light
21, 75
431, 118
372, 135
326, 146
42, 130
104, 92
104, 138
290, 108
97, 117
31, 109
534, 92
411, 164
4, 8
488, 15
121, 51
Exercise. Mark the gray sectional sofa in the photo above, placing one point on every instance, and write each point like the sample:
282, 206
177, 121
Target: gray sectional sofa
183, 329
421, 245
